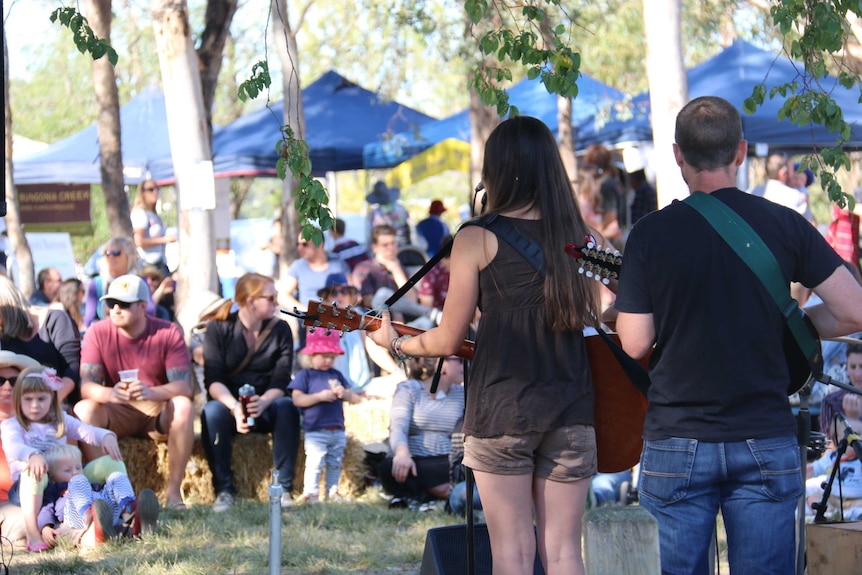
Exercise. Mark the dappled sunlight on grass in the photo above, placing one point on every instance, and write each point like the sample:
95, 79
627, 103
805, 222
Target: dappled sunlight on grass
360, 537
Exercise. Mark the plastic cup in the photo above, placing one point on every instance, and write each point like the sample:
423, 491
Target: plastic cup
127, 376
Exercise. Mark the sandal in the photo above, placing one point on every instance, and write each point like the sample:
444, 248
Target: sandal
38, 548
176, 506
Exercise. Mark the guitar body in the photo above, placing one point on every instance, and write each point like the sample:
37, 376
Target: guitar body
803, 365
620, 408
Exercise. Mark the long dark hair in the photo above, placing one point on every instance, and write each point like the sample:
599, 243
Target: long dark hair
522, 168
68, 296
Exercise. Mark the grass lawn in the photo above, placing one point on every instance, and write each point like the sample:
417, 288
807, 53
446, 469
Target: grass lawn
361, 537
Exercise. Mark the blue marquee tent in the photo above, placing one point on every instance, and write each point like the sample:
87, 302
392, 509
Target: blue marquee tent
531, 98
732, 75
340, 118
75, 159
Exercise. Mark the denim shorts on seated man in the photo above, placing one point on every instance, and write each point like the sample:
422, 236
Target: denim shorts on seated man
563, 454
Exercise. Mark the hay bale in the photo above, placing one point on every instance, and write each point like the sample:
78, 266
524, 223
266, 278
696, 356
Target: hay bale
368, 421
353, 470
147, 463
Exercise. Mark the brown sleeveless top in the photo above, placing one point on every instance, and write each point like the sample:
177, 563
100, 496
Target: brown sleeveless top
524, 377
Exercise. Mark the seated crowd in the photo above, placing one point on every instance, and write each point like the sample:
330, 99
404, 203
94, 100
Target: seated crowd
111, 361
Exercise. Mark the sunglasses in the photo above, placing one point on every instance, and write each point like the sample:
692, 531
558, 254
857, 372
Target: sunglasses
113, 253
9, 380
343, 291
150, 189
155, 278
123, 305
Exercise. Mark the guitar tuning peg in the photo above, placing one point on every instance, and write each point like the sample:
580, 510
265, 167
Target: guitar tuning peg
581, 270
606, 281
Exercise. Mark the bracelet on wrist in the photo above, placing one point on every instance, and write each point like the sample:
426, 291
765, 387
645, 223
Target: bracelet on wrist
397, 352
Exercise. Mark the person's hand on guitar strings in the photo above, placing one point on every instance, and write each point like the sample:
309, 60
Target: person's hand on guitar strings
384, 335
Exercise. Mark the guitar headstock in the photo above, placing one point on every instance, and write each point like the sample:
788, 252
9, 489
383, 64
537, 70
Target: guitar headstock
602, 265
331, 317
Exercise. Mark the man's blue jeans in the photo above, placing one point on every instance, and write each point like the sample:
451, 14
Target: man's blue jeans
756, 484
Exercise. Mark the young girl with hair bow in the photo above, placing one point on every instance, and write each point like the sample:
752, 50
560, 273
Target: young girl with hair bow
39, 424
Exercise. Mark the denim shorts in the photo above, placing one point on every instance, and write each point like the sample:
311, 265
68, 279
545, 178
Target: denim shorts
563, 454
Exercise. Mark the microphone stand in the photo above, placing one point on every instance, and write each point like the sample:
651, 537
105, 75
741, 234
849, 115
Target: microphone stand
803, 431
845, 386
820, 516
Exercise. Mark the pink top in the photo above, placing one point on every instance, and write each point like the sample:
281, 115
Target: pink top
19, 444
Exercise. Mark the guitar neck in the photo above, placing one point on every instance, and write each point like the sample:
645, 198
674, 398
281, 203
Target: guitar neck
325, 316
372, 323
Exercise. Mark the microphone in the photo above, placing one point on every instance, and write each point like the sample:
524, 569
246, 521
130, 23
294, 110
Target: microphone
852, 438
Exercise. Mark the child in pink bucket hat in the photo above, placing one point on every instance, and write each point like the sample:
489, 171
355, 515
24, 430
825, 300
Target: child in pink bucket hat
320, 341
318, 391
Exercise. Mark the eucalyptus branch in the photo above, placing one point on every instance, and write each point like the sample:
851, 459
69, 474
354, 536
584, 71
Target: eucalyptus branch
310, 197
85, 40
551, 60
824, 28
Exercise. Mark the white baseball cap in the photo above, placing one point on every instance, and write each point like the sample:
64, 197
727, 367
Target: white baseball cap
128, 289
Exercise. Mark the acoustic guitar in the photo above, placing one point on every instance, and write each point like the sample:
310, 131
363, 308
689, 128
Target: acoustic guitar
804, 366
620, 408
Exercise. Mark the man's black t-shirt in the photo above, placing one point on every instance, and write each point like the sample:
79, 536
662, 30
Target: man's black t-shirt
718, 370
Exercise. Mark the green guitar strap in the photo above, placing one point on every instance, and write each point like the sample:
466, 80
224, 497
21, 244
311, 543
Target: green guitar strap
750, 248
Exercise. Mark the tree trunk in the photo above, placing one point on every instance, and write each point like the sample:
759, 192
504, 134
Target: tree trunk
483, 120
565, 132
668, 86
20, 249
219, 16
108, 125
190, 152
566, 135
288, 54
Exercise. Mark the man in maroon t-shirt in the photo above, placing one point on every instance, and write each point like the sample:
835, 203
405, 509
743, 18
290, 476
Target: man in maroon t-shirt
157, 403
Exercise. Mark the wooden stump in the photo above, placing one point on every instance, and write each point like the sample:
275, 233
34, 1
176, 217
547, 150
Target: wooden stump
834, 547
621, 541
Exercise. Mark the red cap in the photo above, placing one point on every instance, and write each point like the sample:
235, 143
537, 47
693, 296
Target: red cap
436, 208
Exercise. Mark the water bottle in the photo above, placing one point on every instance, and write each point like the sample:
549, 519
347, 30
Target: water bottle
245, 393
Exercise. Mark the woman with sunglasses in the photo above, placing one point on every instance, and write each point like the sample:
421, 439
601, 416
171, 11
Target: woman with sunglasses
51, 339
119, 257
248, 346
528, 424
12, 526
150, 232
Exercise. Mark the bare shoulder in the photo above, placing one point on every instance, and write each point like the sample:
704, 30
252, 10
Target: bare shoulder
476, 244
